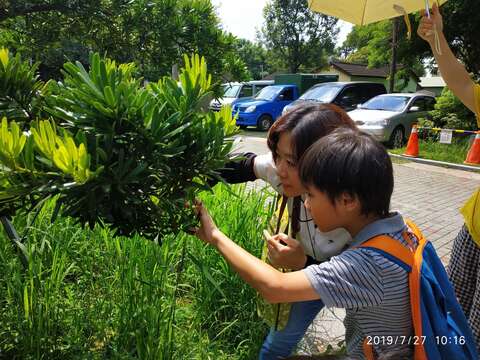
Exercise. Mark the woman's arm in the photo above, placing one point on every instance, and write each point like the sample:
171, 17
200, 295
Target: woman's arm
273, 285
453, 72
238, 171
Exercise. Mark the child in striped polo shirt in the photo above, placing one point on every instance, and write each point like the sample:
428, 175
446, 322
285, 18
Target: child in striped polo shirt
348, 178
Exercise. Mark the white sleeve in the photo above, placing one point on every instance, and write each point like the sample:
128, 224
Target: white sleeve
265, 169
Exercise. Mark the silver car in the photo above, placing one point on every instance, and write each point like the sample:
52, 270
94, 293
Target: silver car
390, 117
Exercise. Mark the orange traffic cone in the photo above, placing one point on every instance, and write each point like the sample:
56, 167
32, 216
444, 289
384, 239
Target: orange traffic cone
473, 156
412, 146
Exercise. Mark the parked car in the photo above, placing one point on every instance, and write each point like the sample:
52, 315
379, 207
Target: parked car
347, 95
265, 107
233, 92
390, 117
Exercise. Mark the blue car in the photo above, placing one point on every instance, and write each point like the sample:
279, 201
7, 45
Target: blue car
265, 107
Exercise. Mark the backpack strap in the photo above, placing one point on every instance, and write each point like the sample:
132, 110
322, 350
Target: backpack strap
368, 350
411, 260
395, 252
392, 250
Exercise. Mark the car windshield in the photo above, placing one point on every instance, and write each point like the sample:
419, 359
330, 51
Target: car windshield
231, 91
323, 93
387, 103
268, 93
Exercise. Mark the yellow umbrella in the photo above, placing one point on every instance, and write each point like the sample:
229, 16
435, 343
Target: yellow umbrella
362, 12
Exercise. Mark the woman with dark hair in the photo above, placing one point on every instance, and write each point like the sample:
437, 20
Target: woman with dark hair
288, 138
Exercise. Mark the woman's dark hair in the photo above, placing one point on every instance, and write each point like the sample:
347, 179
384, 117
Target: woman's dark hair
352, 162
307, 123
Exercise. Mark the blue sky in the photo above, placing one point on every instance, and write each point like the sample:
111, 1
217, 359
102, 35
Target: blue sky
243, 17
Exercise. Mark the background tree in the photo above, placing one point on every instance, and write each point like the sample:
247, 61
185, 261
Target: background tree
235, 69
12, 8
461, 27
152, 33
296, 36
372, 44
255, 56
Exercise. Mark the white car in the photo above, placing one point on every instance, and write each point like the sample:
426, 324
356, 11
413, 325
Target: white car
234, 92
390, 117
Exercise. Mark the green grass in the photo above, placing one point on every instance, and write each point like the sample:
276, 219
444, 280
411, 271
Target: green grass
88, 294
431, 149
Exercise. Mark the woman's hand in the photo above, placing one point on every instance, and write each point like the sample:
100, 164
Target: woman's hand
208, 230
289, 254
428, 25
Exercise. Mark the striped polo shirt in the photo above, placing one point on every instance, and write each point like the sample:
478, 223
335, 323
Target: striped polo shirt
372, 289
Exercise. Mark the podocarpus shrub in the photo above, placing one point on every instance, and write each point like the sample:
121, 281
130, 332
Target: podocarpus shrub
21, 90
115, 152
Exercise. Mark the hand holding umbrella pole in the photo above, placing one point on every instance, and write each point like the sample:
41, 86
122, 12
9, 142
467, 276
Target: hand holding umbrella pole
437, 47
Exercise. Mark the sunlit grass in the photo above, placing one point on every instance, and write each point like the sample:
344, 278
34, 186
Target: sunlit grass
88, 294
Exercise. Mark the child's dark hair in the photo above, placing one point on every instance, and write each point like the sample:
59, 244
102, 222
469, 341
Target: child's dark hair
352, 162
307, 123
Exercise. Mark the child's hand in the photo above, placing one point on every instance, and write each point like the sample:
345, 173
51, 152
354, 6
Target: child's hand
427, 26
288, 254
206, 231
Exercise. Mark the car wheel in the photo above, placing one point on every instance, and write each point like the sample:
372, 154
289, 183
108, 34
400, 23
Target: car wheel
397, 138
264, 122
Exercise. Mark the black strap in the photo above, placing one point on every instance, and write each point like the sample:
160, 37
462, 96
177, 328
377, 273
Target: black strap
294, 218
297, 201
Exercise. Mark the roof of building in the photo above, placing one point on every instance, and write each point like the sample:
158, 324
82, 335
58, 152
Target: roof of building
360, 69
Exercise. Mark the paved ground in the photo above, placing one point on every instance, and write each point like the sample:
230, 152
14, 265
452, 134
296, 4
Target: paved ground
431, 196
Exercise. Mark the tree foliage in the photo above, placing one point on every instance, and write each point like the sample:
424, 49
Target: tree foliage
113, 151
152, 33
235, 69
461, 27
298, 37
372, 44
256, 58
13, 8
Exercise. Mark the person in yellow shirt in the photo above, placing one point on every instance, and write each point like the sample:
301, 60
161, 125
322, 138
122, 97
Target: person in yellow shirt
464, 266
